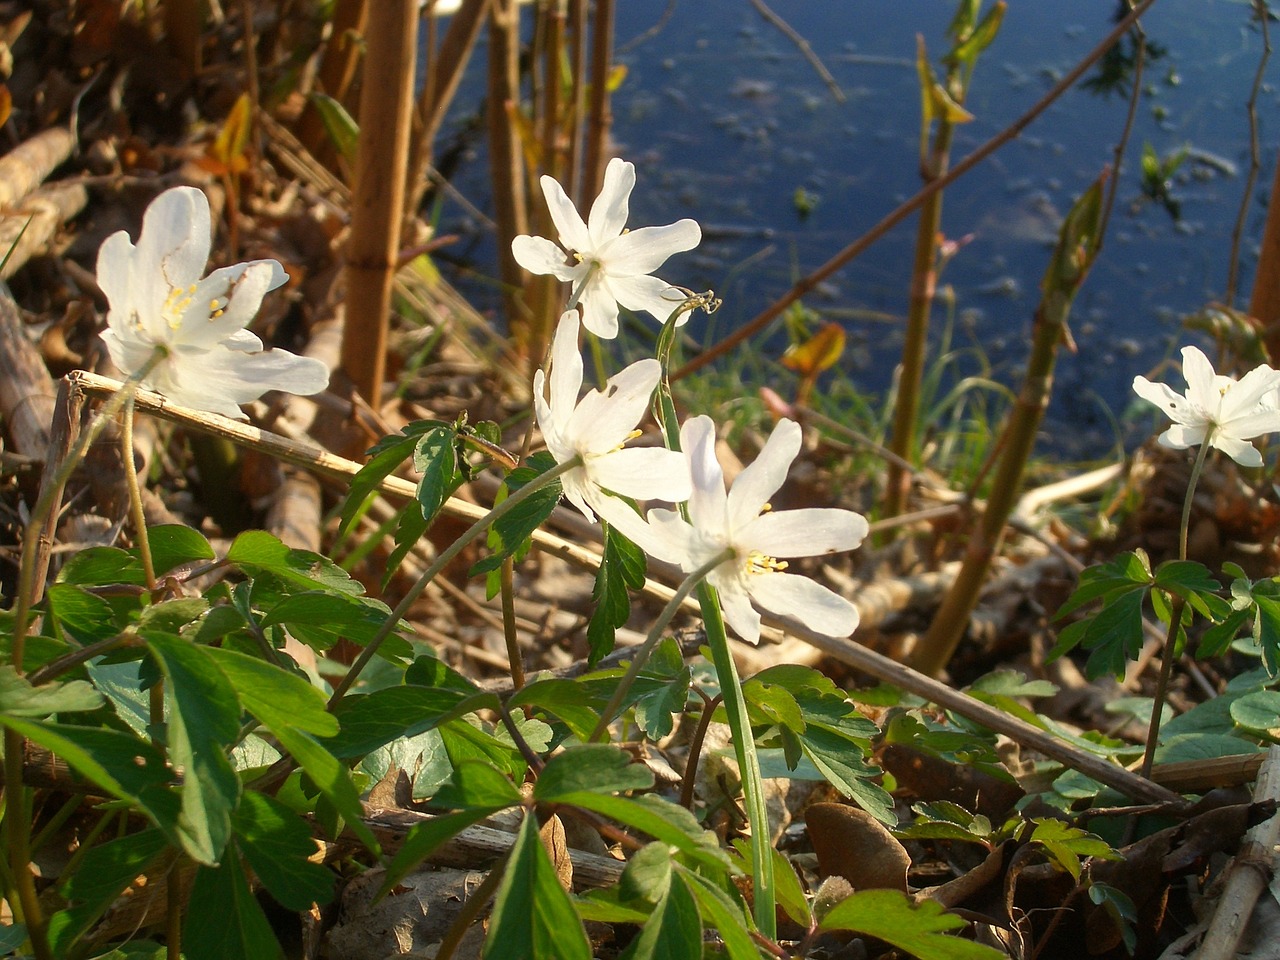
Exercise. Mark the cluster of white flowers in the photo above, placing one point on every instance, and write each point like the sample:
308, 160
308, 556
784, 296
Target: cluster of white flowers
610, 266
1229, 412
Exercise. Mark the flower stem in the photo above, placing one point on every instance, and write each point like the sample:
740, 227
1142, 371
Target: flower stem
655, 634
442, 561
135, 496
1176, 606
744, 747
507, 586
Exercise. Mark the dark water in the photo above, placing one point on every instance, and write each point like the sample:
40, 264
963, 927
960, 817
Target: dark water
725, 121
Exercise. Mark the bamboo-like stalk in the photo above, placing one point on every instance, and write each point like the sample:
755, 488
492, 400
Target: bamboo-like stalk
444, 73
1264, 304
577, 184
599, 113
1077, 246
386, 102
506, 164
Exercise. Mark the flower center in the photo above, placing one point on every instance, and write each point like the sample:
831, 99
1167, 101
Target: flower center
758, 562
176, 304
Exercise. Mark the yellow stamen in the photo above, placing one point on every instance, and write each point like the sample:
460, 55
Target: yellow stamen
758, 562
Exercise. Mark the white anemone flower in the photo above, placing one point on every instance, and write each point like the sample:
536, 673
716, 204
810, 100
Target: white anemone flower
759, 538
595, 429
158, 298
615, 263
1235, 411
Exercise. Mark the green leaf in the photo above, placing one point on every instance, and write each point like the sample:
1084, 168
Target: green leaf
673, 929
623, 567
533, 917
423, 839
727, 916
569, 700
18, 698
1259, 712
277, 843
921, 930
475, 783
660, 819
341, 127
99, 566
106, 870
332, 779
656, 711
171, 616
320, 618
436, 457
510, 534
1267, 631
1129, 571
175, 544
598, 768
1114, 636
1065, 845
276, 697
371, 720
410, 527
12, 936
257, 549
225, 922
787, 887
385, 457
647, 875
84, 616
203, 722
119, 763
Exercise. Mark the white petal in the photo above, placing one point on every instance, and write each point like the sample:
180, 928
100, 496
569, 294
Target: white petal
128, 353
599, 309
648, 294
761, 479
644, 473
1241, 451
707, 503
604, 420
1253, 424
173, 247
1201, 380
114, 260
1245, 397
646, 249
578, 490
1181, 435
1172, 404
671, 537
799, 598
810, 532
573, 232
234, 294
608, 215
619, 515
566, 368
539, 255
220, 380
738, 612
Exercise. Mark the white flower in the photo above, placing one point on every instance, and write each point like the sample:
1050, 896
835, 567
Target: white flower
1236, 411
596, 427
741, 521
615, 261
158, 299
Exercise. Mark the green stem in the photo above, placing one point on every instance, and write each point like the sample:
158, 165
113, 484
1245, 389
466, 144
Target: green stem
1176, 607
650, 641
442, 561
744, 747
514, 659
135, 496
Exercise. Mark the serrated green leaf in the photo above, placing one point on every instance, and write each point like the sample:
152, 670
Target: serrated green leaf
1267, 631
598, 768
1011, 683
410, 527
510, 534
1066, 844
228, 923
533, 917
274, 696
99, 566
119, 763
203, 721
623, 568
673, 929
171, 616
435, 456
277, 844
656, 711
776, 704
18, 698
81, 615
841, 763
923, 930
322, 618
105, 871
1114, 636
